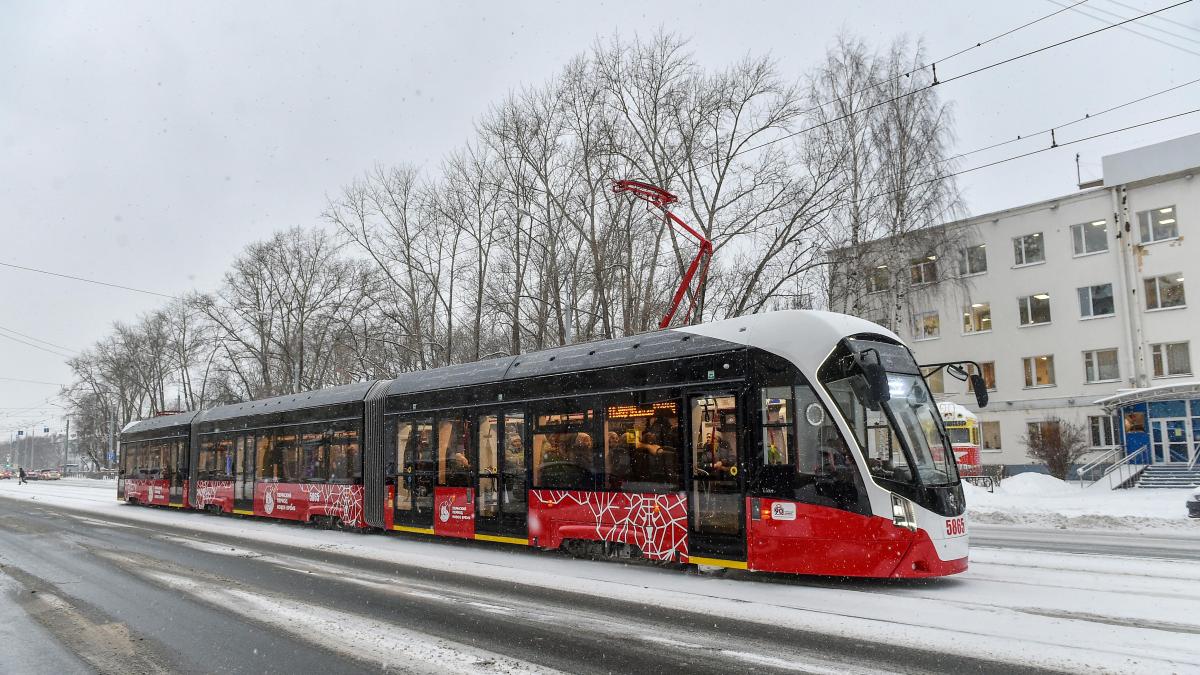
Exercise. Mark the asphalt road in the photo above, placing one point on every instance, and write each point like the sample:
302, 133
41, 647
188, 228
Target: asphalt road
108, 594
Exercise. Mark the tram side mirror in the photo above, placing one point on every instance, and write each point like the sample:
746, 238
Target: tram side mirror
979, 387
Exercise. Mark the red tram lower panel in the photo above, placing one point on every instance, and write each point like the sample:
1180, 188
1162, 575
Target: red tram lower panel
655, 523
454, 512
217, 493
152, 492
304, 501
798, 538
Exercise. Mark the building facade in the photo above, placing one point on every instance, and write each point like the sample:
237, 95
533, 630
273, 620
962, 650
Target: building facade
1062, 302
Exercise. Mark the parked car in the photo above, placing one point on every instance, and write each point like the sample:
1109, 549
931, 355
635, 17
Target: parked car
49, 474
6, 473
31, 474
1194, 504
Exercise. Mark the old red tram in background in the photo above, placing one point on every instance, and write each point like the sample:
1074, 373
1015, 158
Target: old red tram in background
796, 441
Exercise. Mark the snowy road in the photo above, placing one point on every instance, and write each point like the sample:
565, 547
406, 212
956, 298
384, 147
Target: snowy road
157, 589
1127, 544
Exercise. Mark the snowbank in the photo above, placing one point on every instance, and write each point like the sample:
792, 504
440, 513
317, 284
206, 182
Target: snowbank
1040, 500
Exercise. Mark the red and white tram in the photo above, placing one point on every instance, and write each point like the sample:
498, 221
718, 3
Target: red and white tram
798, 441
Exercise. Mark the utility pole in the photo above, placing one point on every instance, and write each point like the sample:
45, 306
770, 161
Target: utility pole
66, 445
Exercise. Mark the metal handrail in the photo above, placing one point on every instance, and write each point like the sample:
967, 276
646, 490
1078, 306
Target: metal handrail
1119, 466
1096, 462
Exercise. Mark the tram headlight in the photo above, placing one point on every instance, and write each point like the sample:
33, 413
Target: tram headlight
903, 513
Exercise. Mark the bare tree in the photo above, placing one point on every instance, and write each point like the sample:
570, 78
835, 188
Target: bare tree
1056, 443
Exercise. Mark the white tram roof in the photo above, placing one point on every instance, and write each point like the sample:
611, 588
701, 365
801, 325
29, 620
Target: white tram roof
955, 411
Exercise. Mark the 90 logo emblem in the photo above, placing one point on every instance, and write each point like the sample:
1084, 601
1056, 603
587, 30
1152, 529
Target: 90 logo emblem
956, 526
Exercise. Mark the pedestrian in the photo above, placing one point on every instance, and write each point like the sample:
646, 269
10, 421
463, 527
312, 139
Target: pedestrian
21, 475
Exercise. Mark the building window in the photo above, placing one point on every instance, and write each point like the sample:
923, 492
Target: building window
1102, 429
1158, 224
924, 270
1034, 309
990, 432
1171, 358
1135, 422
1028, 249
973, 260
1038, 430
988, 370
1101, 366
1039, 370
977, 318
937, 381
926, 325
1096, 301
1089, 237
878, 280
1165, 291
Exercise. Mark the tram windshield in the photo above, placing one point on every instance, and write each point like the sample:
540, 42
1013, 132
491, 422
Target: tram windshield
901, 438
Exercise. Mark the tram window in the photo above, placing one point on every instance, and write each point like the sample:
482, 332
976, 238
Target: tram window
488, 502
267, 465
641, 447
345, 461
286, 447
314, 462
777, 418
414, 446
563, 451
454, 463
714, 430
514, 460
214, 461
826, 473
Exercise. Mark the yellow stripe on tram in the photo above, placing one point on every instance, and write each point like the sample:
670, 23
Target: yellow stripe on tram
502, 540
717, 562
175, 506
243, 512
417, 530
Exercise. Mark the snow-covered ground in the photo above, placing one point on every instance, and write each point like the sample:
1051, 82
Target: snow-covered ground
1066, 611
1038, 500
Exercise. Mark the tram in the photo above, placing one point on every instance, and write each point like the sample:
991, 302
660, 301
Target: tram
963, 428
796, 441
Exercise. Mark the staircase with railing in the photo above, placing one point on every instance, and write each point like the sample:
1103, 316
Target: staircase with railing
1120, 473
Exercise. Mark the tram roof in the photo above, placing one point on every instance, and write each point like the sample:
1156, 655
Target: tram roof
159, 423
346, 393
643, 348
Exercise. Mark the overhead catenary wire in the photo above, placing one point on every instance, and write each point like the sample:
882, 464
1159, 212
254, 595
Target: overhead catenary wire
1086, 117
30, 337
35, 346
90, 281
1147, 26
1158, 18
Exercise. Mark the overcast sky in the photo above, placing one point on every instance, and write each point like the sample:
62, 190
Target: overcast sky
145, 144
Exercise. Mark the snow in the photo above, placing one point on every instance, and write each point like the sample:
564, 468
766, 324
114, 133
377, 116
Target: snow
1040, 500
1065, 611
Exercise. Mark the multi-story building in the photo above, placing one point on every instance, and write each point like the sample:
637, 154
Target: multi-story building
1062, 302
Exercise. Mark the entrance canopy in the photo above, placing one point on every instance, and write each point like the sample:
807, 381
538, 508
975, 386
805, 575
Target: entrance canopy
1163, 392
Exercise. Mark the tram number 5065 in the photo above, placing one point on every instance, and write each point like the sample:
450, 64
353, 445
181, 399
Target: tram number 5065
956, 526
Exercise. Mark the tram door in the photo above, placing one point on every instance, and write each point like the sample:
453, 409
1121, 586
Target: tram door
717, 528
179, 470
416, 474
502, 495
243, 476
